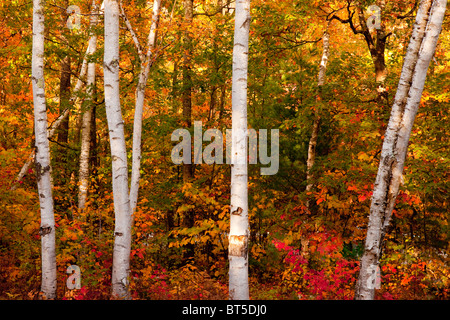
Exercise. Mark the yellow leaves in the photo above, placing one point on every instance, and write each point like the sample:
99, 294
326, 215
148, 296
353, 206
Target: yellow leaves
260, 206
334, 202
204, 231
222, 225
257, 251
31, 227
174, 244
223, 211
147, 272
291, 237
363, 156
185, 208
370, 134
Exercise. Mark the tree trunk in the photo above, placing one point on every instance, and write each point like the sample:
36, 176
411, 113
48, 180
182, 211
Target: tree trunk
122, 230
139, 107
54, 127
64, 99
377, 46
239, 226
188, 219
93, 157
83, 180
187, 79
376, 43
315, 129
64, 88
418, 56
42, 151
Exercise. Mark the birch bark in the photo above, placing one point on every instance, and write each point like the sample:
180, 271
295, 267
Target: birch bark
420, 51
58, 122
122, 230
315, 129
64, 96
42, 158
239, 226
83, 174
139, 107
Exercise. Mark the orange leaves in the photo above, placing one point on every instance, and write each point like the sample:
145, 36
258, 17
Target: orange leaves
362, 197
410, 199
138, 252
257, 251
363, 193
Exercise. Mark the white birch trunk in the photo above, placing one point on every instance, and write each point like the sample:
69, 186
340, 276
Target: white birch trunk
139, 107
122, 230
52, 130
239, 226
418, 56
83, 179
42, 157
315, 129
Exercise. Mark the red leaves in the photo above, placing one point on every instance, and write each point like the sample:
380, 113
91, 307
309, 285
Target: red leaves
318, 271
362, 197
293, 255
363, 193
138, 252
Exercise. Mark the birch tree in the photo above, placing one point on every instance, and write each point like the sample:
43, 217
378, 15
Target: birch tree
124, 202
239, 226
58, 122
87, 116
42, 157
420, 51
316, 124
146, 61
122, 227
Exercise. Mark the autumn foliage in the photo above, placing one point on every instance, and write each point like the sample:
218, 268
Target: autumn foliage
302, 245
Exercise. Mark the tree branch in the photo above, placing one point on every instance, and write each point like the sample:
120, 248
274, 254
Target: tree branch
408, 14
133, 34
349, 20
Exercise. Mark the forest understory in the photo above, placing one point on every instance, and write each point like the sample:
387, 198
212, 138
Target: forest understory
322, 73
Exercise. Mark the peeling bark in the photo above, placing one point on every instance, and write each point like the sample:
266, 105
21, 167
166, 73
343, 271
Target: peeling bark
238, 246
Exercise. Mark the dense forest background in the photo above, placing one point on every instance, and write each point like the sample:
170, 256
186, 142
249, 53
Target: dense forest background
303, 244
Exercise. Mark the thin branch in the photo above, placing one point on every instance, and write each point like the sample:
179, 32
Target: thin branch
349, 21
62, 144
408, 14
133, 34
